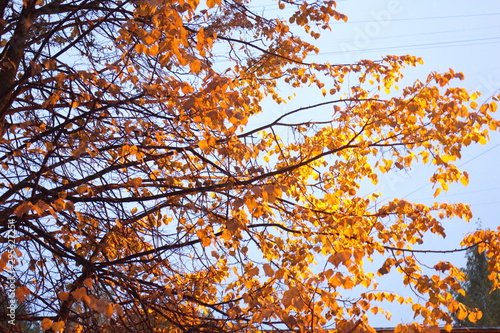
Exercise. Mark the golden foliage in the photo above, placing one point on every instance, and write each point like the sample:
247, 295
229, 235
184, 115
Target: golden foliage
144, 200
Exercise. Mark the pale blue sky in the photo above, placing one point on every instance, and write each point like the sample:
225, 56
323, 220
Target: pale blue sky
446, 34
462, 35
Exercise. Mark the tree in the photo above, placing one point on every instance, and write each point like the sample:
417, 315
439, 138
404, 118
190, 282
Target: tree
21, 311
141, 196
479, 293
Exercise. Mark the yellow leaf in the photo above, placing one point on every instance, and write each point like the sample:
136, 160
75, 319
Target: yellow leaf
206, 242
383, 270
79, 293
400, 329
340, 257
77, 329
149, 40
200, 38
366, 283
479, 314
203, 235
194, 66
462, 312
82, 189
59, 204
447, 158
226, 235
136, 182
69, 206
80, 150
140, 48
464, 179
493, 106
212, 3
153, 50
472, 317
187, 88
203, 144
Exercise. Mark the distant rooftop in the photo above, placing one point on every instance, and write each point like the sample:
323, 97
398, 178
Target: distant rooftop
454, 330
431, 330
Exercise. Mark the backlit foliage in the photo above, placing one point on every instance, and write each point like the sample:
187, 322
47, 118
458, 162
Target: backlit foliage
144, 201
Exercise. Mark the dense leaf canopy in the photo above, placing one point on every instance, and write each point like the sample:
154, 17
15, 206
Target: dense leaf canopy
144, 202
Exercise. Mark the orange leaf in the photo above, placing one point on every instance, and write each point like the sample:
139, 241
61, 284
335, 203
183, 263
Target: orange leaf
46, 324
22, 293
88, 282
58, 326
203, 144
268, 270
23, 208
63, 295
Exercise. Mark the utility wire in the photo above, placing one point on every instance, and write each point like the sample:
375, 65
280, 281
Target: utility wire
461, 165
425, 18
417, 46
421, 34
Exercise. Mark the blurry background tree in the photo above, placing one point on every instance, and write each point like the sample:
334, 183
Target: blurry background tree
142, 197
22, 325
479, 291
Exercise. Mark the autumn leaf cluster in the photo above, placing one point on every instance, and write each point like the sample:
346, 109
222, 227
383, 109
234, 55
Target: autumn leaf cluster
145, 201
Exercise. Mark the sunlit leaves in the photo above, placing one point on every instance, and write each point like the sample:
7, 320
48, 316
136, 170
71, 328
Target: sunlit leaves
204, 237
142, 193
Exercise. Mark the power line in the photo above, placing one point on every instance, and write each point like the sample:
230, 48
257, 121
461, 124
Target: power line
426, 18
461, 165
469, 192
419, 34
273, 7
484, 152
418, 46
485, 203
